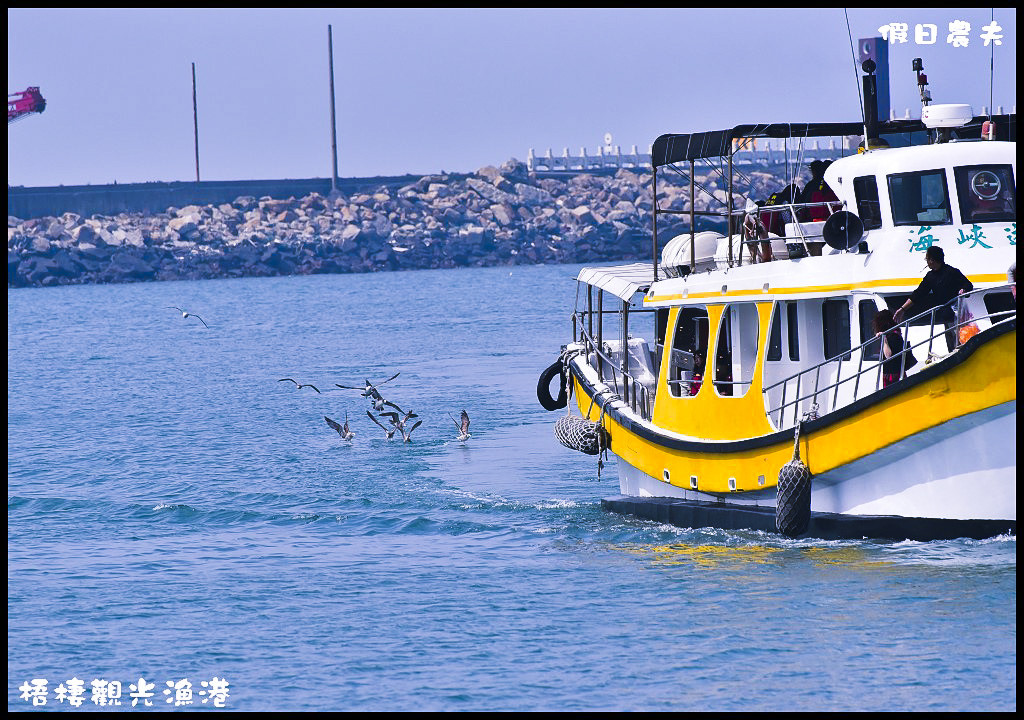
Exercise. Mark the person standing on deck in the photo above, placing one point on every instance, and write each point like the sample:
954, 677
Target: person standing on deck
939, 288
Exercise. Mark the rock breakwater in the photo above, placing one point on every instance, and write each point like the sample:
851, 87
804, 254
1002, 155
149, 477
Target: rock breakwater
496, 216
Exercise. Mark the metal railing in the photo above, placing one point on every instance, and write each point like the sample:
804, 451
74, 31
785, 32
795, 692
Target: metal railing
818, 394
639, 398
800, 238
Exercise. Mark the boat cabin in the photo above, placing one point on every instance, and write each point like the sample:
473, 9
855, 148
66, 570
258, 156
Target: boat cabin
724, 348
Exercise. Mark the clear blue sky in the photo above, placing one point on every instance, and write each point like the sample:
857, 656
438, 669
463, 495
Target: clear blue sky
424, 90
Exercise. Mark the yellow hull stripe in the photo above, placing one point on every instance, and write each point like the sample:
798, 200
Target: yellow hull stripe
985, 380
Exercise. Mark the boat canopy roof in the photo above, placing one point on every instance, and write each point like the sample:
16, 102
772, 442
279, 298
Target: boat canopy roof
674, 147
620, 280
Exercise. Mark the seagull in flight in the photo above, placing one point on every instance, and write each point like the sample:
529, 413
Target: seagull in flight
399, 423
463, 426
407, 415
343, 430
407, 436
185, 314
298, 385
378, 400
390, 433
370, 391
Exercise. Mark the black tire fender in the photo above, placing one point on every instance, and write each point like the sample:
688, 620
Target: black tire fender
544, 387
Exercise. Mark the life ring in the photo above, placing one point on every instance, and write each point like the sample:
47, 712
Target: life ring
544, 387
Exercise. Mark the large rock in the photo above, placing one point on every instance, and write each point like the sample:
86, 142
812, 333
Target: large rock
84, 234
183, 226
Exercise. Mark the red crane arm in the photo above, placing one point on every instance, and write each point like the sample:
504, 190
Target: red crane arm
24, 103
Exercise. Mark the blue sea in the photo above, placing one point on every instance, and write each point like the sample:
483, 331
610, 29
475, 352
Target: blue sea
186, 532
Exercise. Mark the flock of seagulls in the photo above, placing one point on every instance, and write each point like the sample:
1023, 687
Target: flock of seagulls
398, 419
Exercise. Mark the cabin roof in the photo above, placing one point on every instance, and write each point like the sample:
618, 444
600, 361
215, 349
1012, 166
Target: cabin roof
675, 147
623, 281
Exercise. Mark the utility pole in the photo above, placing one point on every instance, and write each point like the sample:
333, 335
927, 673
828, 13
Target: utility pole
195, 118
334, 137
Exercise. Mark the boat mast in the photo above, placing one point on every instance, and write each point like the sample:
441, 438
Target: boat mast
693, 223
728, 206
654, 220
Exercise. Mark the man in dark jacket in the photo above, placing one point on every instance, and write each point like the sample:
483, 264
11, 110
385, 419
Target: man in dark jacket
939, 288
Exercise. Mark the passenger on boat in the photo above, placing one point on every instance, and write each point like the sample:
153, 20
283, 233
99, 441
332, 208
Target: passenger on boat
939, 289
895, 365
774, 221
755, 235
698, 374
817, 191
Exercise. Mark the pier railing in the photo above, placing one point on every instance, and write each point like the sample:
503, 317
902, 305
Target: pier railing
612, 156
822, 388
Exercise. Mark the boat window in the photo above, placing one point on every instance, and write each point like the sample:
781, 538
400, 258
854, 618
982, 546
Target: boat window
736, 350
870, 211
987, 193
835, 327
775, 334
660, 325
793, 330
1000, 302
689, 350
866, 310
919, 198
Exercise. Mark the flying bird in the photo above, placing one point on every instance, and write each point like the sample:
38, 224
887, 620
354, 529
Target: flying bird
378, 401
185, 314
399, 422
407, 416
370, 391
463, 426
299, 385
343, 430
390, 433
407, 436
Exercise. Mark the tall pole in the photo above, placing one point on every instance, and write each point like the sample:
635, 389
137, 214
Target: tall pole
334, 137
195, 118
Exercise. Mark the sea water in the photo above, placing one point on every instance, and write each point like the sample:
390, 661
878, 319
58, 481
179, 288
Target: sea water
186, 532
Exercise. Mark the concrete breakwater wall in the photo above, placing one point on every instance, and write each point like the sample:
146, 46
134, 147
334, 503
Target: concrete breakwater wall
496, 216
153, 197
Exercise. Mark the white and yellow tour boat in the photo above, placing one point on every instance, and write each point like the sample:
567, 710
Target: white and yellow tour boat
740, 394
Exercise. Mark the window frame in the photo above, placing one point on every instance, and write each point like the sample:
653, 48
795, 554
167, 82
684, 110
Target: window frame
871, 222
960, 178
834, 335
700, 336
793, 329
893, 204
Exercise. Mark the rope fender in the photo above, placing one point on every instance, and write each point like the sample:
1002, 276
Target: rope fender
577, 433
793, 499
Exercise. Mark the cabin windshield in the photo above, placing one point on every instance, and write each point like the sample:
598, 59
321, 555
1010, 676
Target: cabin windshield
919, 198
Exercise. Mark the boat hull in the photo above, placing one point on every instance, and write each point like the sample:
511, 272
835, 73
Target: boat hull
924, 475
947, 469
825, 526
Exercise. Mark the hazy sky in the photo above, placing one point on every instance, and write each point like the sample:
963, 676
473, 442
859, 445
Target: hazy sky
424, 90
